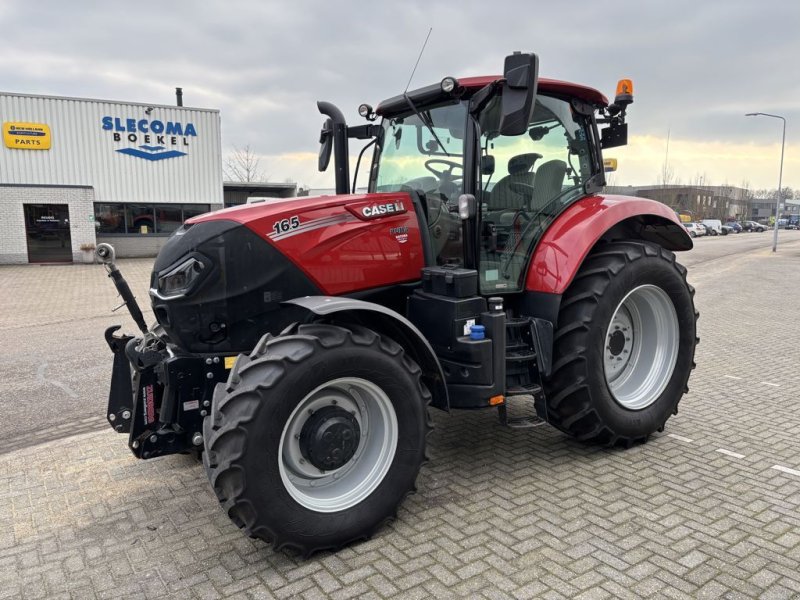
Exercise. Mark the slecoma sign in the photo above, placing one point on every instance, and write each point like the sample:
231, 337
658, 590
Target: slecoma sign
157, 139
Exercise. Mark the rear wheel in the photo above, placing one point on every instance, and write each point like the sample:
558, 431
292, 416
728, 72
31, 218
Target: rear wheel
624, 347
317, 437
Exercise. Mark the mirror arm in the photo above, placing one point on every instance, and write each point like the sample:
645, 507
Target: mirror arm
363, 132
482, 97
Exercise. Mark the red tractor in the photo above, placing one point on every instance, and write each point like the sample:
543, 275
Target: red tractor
300, 342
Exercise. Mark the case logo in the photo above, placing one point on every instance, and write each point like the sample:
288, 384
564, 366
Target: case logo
379, 210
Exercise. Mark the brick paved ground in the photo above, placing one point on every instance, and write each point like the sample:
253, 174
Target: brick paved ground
500, 513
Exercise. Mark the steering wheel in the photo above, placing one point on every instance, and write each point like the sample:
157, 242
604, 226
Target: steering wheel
442, 173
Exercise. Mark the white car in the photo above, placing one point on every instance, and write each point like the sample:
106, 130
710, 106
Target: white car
713, 226
695, 229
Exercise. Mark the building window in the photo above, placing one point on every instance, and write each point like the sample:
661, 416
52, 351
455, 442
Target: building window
140, 218
169, 218
109, 218
144, 218
192, 210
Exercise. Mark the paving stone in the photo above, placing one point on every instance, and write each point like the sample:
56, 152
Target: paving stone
499, 513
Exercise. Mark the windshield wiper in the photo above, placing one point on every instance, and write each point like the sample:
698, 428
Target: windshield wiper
425, 122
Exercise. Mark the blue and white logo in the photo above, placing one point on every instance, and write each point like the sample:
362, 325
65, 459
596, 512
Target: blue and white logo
166, 135
151, 152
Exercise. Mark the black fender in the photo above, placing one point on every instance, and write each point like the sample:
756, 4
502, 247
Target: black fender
386, 322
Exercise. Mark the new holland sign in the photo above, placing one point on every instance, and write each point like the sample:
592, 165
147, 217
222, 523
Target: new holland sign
27, 136
156, 139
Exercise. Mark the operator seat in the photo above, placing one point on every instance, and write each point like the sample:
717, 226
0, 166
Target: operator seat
548, 183
519, 171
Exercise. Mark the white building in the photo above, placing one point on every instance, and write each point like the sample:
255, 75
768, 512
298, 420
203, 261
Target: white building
76, 172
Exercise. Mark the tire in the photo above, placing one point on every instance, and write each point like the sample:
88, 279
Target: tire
590, 395
693, 234
260, 419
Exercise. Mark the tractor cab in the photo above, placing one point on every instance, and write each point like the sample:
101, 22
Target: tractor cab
491, 161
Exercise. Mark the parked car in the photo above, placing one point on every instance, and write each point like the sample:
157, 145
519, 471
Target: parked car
794, 222
713, 226
735, 226
695, 229
726, 229
753, 226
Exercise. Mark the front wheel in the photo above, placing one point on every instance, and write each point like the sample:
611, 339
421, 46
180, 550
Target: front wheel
624, 346
317, 437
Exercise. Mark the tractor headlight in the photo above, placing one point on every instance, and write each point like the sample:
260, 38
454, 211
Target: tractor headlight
449, 84
180, 279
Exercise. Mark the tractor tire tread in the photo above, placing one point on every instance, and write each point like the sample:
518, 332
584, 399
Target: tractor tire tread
236, 403
569, 407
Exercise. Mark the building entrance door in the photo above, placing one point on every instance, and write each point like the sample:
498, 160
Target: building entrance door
47, 231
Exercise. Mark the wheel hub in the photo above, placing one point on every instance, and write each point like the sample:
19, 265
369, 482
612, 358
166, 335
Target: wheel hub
616, 342
641, 347
329, 438
619, 343
349, 464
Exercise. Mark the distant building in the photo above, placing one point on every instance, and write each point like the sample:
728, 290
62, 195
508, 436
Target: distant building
75, 172
237, 192
701, 202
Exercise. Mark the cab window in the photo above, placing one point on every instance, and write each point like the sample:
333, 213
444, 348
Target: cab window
534, 176
424, 152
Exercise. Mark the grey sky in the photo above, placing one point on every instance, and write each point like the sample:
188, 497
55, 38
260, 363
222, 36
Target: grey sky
696, 66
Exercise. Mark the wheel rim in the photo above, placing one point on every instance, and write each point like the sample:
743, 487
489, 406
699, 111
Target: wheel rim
347, 485
641, 347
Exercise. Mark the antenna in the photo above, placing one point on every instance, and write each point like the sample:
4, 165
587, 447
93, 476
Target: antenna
414, 70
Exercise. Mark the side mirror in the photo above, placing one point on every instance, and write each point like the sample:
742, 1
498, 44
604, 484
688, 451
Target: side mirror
326, 145
521, 73
487, 164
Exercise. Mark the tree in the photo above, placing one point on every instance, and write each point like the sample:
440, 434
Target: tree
243, 165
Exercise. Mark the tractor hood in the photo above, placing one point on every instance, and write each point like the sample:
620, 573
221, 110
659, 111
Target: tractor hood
223, 275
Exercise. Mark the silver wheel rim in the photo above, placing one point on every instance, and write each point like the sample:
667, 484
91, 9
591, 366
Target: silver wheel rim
641, 347
350, 484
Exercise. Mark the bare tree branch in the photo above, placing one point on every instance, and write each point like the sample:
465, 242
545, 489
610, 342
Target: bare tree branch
243, 165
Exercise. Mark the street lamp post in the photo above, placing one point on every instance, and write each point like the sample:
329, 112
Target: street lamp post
780, 175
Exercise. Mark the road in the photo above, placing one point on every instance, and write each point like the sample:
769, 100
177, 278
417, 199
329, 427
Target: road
709, 508
711, 248
56, 366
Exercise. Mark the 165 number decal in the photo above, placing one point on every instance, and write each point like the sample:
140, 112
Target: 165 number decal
285, 225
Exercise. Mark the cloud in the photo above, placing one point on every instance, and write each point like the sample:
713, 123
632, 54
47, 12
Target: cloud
697, 66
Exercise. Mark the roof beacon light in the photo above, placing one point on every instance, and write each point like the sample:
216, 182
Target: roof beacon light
449, 84
624, 92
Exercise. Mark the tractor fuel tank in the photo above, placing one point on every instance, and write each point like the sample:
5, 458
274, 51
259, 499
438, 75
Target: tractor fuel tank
474, 369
